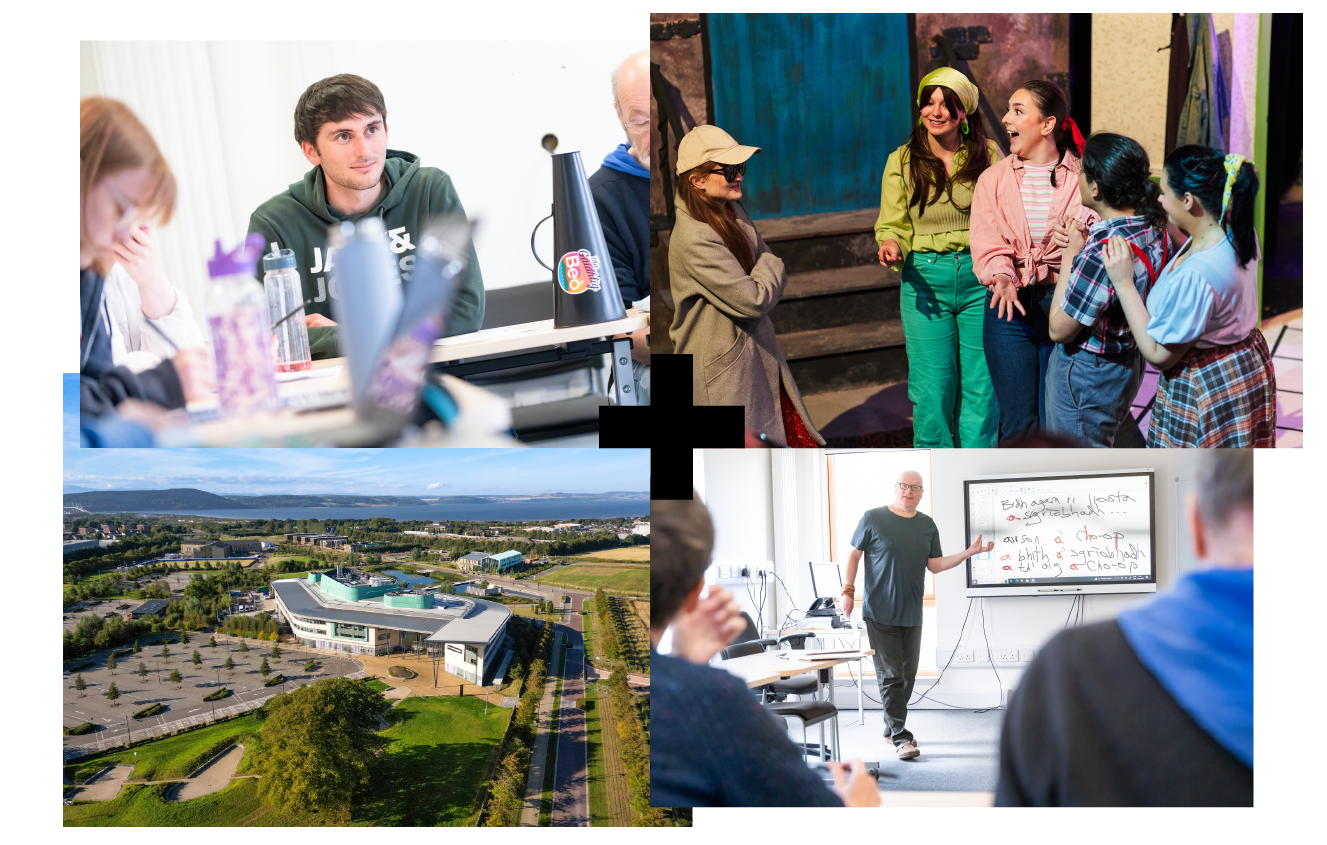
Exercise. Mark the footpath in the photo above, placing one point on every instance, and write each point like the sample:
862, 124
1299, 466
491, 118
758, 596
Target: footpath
534, 784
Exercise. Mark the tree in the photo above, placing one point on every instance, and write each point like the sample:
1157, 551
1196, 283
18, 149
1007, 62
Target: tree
276, 651
80, 685
243, 645
165, 652
264, 670
212, 641
137, 648
112, 693
308, 667
197, 658
111, 663
317, 744
175, 676
230, 664
142, 670
184, 637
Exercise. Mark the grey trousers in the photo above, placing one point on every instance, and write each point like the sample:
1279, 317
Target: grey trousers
897, 649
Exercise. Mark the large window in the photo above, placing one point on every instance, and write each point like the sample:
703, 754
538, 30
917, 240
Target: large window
859, 481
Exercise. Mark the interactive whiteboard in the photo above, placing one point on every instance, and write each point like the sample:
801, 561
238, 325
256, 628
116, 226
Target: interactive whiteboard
1057, 534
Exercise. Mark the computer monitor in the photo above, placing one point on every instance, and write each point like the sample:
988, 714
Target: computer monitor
829, 584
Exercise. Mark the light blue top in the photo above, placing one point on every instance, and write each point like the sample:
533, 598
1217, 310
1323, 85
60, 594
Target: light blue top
1210, 299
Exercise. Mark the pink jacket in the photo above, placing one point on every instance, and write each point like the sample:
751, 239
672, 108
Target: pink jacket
1000, 238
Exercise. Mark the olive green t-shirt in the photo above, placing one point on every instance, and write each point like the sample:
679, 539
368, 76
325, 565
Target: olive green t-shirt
895, 549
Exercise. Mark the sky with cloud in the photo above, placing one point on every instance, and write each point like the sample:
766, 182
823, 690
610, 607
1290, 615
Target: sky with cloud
390, 472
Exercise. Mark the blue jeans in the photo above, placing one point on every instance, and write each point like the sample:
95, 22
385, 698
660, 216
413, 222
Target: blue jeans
640, 374
1087, 395
1017, 352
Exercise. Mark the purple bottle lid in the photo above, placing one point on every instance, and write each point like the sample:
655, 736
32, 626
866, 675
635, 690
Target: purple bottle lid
241, 261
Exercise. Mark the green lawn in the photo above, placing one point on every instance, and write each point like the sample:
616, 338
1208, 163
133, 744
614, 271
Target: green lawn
597, 774
436, 764
174, 756
614, 579
144, 805
376, 685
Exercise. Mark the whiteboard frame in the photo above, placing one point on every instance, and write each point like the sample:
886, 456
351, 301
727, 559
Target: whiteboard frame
997, 590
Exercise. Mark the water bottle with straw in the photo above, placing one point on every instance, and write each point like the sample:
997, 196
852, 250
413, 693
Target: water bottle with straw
241, 331
285, 307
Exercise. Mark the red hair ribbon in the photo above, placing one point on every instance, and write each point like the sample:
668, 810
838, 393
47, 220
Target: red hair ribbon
1078, 136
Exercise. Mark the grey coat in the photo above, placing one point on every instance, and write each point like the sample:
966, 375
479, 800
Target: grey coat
722, 320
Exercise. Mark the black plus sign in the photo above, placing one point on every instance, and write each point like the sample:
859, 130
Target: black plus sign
670, 427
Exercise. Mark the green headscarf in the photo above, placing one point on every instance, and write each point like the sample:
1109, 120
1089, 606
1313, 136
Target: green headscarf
955, 81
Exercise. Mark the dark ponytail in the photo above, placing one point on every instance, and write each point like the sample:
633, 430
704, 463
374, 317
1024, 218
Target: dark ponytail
1201, 171
1121, 169
1051, 103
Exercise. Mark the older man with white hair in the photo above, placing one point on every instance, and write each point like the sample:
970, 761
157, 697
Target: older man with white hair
621, 191
900, 544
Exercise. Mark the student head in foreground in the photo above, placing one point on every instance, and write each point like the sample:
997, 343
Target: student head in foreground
712, 745
124, 185
1154, 708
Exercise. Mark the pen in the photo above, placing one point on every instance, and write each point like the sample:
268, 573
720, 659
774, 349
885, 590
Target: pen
164, 336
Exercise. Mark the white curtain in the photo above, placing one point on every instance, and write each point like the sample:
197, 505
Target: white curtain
169, 87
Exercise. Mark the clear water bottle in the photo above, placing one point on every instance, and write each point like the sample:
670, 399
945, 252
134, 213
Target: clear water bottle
285, 297
241, 331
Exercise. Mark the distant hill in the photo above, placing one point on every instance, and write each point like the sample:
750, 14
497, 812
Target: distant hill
73, 488
181, 499
116, 501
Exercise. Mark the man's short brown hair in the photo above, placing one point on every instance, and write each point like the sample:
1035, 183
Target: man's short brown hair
332, 99
1225, 484
681, 539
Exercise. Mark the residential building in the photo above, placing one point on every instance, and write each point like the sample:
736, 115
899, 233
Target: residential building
642, 528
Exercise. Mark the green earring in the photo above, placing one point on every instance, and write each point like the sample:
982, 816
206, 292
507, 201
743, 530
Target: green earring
921, 121
963, 127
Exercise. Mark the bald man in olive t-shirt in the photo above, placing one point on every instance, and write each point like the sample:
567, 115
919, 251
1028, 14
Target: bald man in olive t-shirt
900, 545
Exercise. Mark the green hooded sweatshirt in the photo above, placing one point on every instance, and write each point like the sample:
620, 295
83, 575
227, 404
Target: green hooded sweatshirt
299, 218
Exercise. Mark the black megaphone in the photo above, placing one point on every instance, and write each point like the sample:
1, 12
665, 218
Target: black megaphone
585, 288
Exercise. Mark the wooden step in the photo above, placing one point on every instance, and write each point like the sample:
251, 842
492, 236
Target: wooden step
817, 343
840, 280
776, 229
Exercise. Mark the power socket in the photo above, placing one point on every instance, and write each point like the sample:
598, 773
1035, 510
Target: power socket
963, 655
1007, 655
1025, 656
981, 656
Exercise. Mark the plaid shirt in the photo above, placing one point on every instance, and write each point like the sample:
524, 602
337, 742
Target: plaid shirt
1091, 300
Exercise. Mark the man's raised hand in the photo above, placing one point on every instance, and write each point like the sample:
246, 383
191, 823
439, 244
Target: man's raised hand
977, 547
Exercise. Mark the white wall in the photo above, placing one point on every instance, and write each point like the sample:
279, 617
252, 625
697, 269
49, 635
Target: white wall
476, 110
766, 501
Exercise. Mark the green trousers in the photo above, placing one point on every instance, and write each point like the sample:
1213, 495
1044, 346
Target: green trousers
948, 383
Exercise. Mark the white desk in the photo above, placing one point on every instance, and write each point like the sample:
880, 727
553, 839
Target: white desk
483, 420
836, 633
901, 798
515, 346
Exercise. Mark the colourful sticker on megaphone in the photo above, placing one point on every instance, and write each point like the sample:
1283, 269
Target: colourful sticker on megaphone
578, 272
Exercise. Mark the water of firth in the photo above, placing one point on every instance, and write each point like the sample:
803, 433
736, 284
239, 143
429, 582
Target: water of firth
564, 510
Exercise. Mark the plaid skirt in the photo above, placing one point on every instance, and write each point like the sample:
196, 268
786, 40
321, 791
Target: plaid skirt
1223, 397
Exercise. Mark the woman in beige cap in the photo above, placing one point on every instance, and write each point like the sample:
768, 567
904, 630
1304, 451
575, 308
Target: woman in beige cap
725, 280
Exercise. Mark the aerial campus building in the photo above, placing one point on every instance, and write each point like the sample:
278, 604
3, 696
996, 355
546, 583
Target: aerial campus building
366, 613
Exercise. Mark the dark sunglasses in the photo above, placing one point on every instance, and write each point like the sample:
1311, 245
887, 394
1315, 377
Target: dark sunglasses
731, 171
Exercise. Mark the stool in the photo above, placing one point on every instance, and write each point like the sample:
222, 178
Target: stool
811, 713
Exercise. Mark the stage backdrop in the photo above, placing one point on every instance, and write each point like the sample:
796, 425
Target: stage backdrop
826, 98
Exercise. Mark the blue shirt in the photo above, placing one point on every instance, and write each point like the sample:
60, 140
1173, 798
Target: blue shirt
1210, 300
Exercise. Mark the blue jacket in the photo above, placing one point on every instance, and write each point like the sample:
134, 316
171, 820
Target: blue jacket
621, 191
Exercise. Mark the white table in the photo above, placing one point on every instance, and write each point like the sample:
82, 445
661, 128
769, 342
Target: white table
482, 422
516, 346
836, 633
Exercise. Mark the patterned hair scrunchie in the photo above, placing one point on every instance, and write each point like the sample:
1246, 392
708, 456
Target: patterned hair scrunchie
1233, 163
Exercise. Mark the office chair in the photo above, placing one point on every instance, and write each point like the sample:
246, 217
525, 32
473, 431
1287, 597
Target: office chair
814, 711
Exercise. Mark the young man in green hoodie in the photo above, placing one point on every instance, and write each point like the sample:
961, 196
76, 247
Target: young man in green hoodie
341, 126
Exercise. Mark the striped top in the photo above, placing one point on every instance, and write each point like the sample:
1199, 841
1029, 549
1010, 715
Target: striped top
1036, 191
